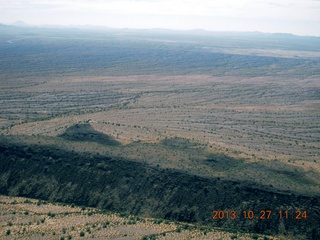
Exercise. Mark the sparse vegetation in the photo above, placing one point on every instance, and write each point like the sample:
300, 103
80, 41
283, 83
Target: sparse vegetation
76, 225
170, 125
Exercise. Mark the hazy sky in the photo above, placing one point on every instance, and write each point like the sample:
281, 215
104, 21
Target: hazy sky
300, 17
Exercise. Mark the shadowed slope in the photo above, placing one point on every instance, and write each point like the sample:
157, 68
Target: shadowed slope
84, 132
119, 185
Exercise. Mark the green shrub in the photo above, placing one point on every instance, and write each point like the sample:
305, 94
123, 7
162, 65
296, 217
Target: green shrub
106, 224
255, 236
185, 226
50, 214
157, 221
124, 214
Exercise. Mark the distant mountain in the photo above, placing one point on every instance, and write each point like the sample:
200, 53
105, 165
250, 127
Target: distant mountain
3, 25
21, 24
201, 32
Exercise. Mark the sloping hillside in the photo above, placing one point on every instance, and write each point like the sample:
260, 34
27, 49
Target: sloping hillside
119, 185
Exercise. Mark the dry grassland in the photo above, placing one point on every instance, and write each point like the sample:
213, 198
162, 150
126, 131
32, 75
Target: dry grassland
260, 120
22, 218
263, 117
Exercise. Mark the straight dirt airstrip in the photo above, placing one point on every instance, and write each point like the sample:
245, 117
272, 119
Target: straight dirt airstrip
258, 119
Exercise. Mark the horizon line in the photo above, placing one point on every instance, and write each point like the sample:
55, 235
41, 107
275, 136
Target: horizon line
23, 24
